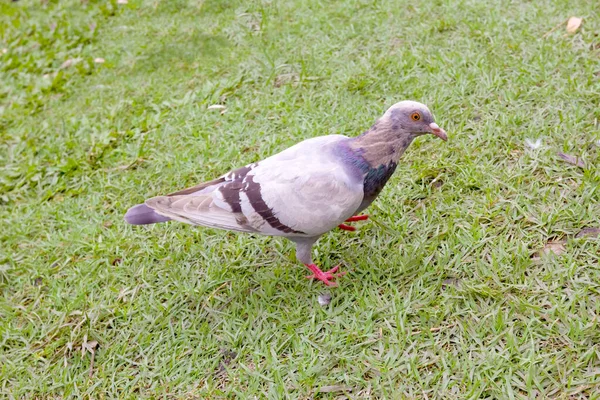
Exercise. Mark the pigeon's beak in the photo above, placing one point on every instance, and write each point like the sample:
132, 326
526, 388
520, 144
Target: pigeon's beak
437, 131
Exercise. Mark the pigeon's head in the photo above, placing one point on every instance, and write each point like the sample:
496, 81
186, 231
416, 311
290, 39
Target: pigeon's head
414, 118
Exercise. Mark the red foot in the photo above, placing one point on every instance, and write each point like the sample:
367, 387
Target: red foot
358, 218
352, 219
324, 277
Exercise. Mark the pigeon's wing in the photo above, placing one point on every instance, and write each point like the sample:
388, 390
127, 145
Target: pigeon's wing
302, 191
302, 197
206, 203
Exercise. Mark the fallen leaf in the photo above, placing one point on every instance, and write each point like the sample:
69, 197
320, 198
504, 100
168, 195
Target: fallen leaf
573, 24
70, 62
91, 346
572, 160
588, 232
99, 60
284, 79
107, 223
324, 299
116, 261
228, 356
88, 346
556, 247
450, 282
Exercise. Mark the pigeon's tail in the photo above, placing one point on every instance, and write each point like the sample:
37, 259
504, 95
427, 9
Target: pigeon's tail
143, 215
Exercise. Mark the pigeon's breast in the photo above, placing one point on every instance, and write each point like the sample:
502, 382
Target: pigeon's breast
374, 181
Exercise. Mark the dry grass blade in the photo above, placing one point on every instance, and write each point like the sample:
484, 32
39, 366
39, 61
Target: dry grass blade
572, 160
335, 388
435, 329
70, 62
553, 29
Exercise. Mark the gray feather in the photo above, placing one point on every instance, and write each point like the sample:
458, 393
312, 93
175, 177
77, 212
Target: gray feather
143, 215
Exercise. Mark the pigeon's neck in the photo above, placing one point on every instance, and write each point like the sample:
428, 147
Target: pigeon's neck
383, 144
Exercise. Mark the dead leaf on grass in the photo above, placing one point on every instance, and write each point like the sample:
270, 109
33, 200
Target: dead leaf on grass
573, 24
451, 282
228, 357
556, 247
284, 79
589, 232
90, 346
572, 160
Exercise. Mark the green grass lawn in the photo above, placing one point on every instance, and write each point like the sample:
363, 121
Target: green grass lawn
445, 298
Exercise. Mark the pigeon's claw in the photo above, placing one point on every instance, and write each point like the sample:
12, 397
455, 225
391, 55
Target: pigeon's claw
358, 218
352, 219
325, 277
346, 227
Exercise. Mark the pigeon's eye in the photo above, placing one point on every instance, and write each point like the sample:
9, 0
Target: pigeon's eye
415, 116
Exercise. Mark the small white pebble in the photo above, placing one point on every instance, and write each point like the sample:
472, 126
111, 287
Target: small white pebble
324, 299
533, 145
99, 60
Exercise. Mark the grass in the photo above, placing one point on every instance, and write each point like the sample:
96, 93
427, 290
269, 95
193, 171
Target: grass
444, 298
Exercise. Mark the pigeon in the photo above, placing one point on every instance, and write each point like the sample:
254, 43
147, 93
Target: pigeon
302, 192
